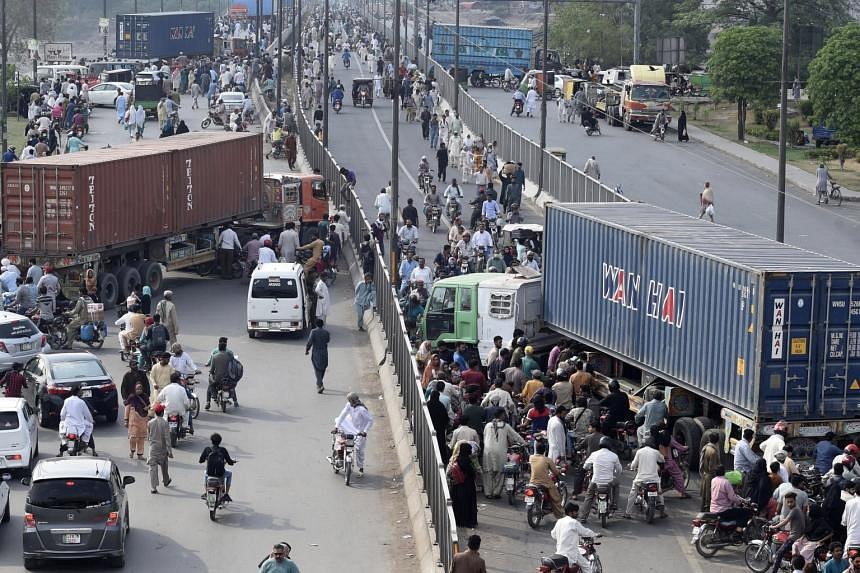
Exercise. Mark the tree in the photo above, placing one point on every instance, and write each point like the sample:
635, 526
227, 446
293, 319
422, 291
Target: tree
667, 18
826, 13
19, 23
745, 67
587, 31
832, 83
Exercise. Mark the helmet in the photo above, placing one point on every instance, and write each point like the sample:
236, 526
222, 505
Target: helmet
613, 385
605, 442
423, 158
12, 148
522, 341
735, 477
780, 426
852, 450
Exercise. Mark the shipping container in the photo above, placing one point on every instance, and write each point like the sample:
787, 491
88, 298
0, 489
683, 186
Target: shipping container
488, 48
102, 199
763, 329
164, 34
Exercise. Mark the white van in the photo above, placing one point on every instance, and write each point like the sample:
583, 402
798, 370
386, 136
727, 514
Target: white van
56, 71
277, 299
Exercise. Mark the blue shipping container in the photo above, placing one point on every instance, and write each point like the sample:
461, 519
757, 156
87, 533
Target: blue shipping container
767, 330
487, 48
164, 34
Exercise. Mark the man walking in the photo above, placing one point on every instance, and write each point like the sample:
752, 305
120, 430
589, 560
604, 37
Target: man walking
592, 168
166, 309
470, 561
228, 242
288, 242
158, 436
318, 342
365, 298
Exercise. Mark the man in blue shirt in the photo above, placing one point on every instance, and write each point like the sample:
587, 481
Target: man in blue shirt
745, 459
10, 155
460, 357
407, 265
825, 451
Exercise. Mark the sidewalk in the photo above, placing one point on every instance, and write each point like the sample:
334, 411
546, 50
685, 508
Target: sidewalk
795, 175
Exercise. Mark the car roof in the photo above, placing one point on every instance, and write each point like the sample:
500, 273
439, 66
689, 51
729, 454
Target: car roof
276, 269
233, 94
68, 356
11, 404
73, 467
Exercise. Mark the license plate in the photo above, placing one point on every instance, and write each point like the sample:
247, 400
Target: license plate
529, 500
509, 482
695, 535
210, 498
601, 506
27, 346
652, 494
263, 323
86, 393
174, 425
71, 538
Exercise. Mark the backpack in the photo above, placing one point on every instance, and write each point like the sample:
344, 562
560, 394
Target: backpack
235, 370
215, 463
158, 337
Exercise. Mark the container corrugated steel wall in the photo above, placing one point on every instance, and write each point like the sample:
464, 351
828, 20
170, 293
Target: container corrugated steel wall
483, 47
164, 34
694, 303
139, 191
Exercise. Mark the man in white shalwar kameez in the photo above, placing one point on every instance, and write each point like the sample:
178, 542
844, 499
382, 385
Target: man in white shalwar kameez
357, 420
77, 417
568, 532
556, 434
498, 437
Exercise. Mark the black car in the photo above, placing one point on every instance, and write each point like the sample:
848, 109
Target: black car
54, 375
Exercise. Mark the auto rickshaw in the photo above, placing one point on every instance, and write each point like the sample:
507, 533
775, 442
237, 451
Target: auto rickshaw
362, 92
528, 234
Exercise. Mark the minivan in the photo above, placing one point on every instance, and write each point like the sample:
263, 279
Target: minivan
58, 71
19, 434
277, 299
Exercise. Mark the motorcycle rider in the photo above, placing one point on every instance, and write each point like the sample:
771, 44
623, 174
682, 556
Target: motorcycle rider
337, 95
423, 167
519, 100
646, 463
408, 233
606, 469
725, 501
482, 239
659, 121
431, 200
587, 119
78, 315
542, 468
215, 456
279, 560
452, 195
357, 420
78, 419
567, 533
175, 400
218, 362
490, 209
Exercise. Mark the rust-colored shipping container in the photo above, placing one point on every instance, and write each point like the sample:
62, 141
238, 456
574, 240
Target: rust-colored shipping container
104, 199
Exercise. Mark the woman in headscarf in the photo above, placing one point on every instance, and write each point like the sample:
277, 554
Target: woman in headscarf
672, 451
136, 417
439, 416
461, 481
431, 371
759, 487
146, 300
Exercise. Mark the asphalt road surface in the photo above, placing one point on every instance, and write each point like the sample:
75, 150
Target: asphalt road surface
283, 486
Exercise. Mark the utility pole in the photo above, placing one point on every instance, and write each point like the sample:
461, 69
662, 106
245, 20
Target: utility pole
259, 34
546, 86
457, 58
427, 39
3, 51
637, 16
104, 36
280, 53
35, 37
783, 128
325, 74
395, 148
162, 5
415, 30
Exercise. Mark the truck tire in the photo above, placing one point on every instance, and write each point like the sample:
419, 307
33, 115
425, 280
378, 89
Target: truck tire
150, 275
687, 431
109, 289
127, 278
705, 423
726, 460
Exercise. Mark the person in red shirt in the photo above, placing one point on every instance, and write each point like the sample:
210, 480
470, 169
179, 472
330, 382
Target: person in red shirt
473, 376
14, 381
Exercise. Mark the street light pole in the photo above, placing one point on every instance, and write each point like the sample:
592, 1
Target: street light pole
415, 30
427, 39
395, 147
783, 128
325, 74
280, 54
457, 58
543, 94
35, 37
637, 14
104, 37
3, 51
259, 34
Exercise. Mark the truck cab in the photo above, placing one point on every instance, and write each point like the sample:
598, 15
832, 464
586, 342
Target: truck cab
300, 198
644, 95
474, 308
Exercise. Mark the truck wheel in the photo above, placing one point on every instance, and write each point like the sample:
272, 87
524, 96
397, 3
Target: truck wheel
127, 278
687, 431
109, 289
150, 274
705, 423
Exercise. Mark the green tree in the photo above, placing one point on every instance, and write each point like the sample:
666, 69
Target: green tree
826, 13
668, 18
19, 23
745, 68
588, 31
832, 83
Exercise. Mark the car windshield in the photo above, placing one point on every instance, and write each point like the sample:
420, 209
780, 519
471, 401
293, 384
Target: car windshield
70, 493
17, 329
274, 287
72, 369
658, 93
9, 421
232, 97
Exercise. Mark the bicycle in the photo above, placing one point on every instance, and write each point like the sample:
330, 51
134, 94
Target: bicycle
834, 193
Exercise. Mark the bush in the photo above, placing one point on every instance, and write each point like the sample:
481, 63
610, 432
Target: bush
762, 132
758, 116
821, 154
771, 118
793, 131
804, 106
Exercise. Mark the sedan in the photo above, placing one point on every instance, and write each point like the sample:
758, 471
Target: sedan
105, 92
54, 375
232, 100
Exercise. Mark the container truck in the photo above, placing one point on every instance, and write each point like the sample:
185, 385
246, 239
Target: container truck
739, 331
164, 35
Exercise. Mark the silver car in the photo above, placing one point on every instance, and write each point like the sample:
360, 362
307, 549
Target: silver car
20, 340
77, 508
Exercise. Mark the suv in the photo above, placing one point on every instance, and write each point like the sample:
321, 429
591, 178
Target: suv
20, 340
77, 508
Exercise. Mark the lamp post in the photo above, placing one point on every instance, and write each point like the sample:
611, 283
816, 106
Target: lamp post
395, 144
3, 134
783, 120
427, 39
457, 57
104, 35
280, 54
35, 37
325, 74
259, 34
543, 94
415, 30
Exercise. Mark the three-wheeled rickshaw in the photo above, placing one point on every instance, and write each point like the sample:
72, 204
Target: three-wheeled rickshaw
362, 92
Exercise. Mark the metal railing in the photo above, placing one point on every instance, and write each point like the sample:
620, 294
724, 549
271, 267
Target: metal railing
431, 468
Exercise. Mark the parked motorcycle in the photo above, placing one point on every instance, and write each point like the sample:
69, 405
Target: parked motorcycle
342, 447
512, 469
710, 533
538, 502
559, 564
214, 118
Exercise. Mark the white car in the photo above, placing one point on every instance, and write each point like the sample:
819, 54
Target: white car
19, 435
559, 83
105, 92
20, 340
232, 100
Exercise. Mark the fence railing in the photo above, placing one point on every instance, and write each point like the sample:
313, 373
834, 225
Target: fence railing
562, 181
430, 465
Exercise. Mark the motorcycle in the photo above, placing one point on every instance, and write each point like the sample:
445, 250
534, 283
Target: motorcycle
70, 442
510, 85
452, 208
425, 180
492, 225
221, 393
278, 150
539, 503
408, 248
759, 553
647, 495
342, 447
215, 492
559, 564
516, 454
519, 106
659, 132
92, 333
435, 218
710, 533
214, 118
336, 105
624, 433
177, 428
592, 127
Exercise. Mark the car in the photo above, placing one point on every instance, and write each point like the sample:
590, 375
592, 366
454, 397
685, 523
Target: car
560, 80
104, 93
54, 375
20, 340
19, 435
77, 508
232, 100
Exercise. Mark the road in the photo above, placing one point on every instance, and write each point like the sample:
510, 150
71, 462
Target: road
283, 487
359, 138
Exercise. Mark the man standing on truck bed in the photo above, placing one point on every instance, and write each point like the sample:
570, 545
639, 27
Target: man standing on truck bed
227, 242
